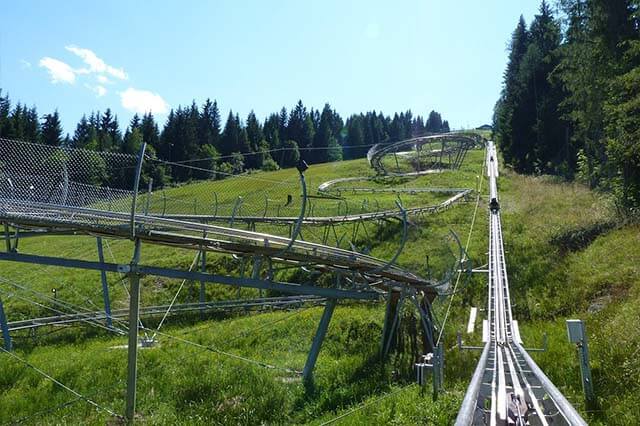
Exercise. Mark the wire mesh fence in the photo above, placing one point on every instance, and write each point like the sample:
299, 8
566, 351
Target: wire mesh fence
216, 208
40, 181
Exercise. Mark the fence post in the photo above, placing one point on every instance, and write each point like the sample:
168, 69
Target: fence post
149, 188
5, 328
132, 349
105, 288
136, 184
203, 269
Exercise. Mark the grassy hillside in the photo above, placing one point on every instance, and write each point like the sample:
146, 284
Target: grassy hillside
559, 268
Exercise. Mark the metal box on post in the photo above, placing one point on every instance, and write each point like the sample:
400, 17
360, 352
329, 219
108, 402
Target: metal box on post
575, 329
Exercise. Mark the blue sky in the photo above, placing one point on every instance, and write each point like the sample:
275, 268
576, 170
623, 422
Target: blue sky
356, 55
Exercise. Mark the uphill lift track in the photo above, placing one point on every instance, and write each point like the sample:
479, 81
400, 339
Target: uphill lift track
507, 387
48, 190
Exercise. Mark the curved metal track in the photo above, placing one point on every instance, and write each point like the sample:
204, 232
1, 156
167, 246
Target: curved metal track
452, 145
459, 194
508, 388
20, 208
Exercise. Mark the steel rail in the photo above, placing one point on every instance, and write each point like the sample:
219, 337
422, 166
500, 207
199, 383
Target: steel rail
323, 220
96, 222
57, 320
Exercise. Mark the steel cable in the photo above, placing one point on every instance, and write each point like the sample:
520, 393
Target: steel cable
455, 287
62, 385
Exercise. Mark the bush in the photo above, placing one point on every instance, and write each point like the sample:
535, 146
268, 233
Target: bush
269, 165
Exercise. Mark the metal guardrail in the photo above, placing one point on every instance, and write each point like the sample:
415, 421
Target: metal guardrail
468, 407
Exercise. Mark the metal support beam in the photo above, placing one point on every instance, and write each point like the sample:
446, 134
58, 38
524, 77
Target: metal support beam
290, 288
4, 325
203, 269
105, 287
394, 325
388, 318
255, 273
7, 238
134, 316
317, 340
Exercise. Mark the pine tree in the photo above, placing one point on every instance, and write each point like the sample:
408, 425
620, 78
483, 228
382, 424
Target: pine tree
550, 154
323, 137
132, 140
230, 136
509, 109
296, 124
149, 128
396, 129
51, 129
243, 140
32, 126
109, 136
355, 138
17, 122
271, 131
135, 122
209, 125
283, 122
82, 135
255, 137
5, 108
167, 137
434, 122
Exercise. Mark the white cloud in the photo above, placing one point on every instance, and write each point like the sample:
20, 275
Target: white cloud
99, 90
95, 64
25, 64
103, 79
58, 70
142, 101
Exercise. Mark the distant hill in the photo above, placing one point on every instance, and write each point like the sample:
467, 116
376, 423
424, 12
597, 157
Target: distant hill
484, 127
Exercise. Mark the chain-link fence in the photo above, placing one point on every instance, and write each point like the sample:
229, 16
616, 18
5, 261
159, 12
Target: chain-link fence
42, 182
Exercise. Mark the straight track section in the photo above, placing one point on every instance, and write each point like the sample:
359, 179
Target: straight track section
508, 388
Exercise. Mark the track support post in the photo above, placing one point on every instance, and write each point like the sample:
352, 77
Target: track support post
7, 238
105, 287
577, 335
4, 325
203, 269
395, 307
134, 316
307, 373
438, 370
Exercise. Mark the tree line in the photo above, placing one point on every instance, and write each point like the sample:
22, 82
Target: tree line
570, 103
194, 144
